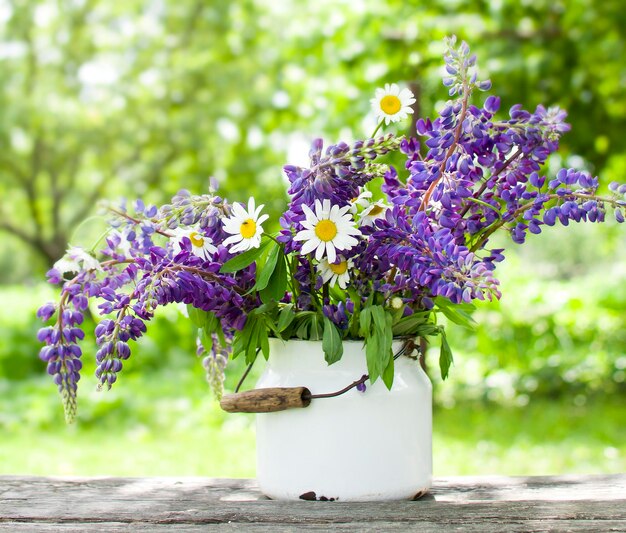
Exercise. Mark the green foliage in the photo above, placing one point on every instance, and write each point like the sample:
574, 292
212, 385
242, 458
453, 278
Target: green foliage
245, 259
278, 279
331, 342
376, 330
264, 274
445, 356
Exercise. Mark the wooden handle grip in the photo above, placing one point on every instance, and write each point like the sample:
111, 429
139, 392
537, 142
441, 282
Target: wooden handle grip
266, 400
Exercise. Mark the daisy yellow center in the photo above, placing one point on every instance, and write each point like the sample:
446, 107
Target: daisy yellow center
326, 230
390, 104
248, 228
375, 211
339, 268
196, 239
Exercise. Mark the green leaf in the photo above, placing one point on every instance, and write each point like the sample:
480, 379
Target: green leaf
388, 374
286, 317
457, 313
211, 323
445, 355
317, 329
264, 273
331, 342
245, 259
372, 354
196, 316
251, 348
206, 339
409, 325
383, 321
263, 342
378, 314
303, 329
376, 329
365, 319
246, 341
277, 284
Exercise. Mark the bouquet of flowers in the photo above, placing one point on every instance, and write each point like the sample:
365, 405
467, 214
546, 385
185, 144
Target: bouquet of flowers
364, 251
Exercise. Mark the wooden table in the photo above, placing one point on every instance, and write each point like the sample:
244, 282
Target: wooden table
485, 504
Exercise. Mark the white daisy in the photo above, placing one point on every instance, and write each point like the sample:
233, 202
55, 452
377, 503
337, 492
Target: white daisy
337, 272
362, 200
75, 260
372, 213
392, 104
201, 245
244, 227
329, 229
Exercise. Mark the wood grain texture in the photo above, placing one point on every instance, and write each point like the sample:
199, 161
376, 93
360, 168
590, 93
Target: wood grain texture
267, 400
565, 503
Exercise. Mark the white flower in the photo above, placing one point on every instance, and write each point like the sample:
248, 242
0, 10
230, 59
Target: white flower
392, 104
337, 272
327, 230
75, 260
201, 245
362, 200
244, 227
373, 212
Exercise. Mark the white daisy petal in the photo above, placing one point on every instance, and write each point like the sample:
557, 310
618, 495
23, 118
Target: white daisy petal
310, 216
241, 247
231, 226
232, 239
305, 235
319, 253
330, 252
309, 246
238, 210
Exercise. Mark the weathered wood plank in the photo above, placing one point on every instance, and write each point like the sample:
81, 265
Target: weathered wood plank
567, 503
107, 509
452, 489
493, 526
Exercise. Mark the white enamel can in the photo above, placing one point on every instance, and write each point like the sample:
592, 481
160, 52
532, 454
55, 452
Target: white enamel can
361, 446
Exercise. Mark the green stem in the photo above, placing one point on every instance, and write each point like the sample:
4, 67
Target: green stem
295, 285
80, 226
102, 236
377, 128
313, 292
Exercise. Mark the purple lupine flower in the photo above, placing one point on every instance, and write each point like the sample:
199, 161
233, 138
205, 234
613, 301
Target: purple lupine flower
61, 351
337, 314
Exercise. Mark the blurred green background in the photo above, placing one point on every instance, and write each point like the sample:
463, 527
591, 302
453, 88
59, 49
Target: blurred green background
140, 98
